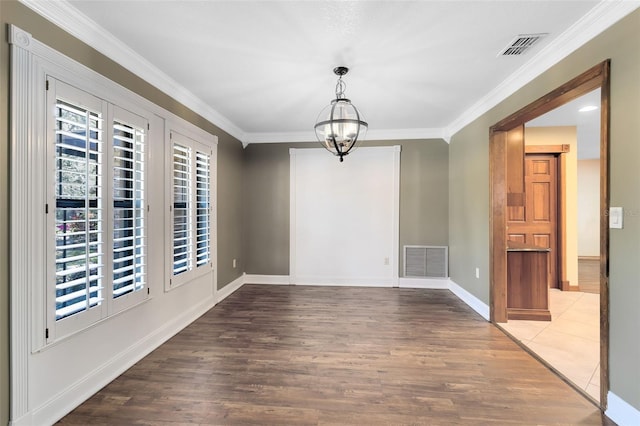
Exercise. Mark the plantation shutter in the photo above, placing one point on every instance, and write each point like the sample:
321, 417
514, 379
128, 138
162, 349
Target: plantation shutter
97, 244
129, 201
203, 211
182, 221
79, 235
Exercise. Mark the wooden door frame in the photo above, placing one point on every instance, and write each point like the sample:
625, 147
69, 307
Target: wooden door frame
596, 77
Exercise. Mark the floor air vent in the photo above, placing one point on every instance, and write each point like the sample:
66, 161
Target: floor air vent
426, 261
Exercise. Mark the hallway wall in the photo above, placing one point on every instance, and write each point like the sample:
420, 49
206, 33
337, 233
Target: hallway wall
588, 208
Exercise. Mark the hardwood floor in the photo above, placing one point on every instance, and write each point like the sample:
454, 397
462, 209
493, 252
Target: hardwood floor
589, 275
278, 355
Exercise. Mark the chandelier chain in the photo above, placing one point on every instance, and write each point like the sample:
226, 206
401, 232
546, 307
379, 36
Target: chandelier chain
340, 88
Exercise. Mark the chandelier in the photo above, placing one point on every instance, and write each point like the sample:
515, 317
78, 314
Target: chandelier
340, 124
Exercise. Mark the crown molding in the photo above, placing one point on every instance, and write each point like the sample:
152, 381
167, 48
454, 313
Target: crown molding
65, 16
401, 134
602, 16
372, 135
281, 137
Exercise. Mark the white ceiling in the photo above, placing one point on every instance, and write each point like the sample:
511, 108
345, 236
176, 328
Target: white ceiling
587, 123
262, 70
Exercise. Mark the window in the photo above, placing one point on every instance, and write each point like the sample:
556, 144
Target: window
191, 208
98, 235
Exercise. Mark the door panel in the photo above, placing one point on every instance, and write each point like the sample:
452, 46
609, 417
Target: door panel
541, 205
518, 238
515, 214
540, 167
541, 240
536, 222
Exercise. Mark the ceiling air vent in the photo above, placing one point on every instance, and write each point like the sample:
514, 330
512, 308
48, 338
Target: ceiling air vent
521, 44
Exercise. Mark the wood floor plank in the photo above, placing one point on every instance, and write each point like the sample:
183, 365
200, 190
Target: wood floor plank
589, 275
287, 355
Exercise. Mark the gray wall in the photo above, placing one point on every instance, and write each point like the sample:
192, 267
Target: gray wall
229, 206
266, 208
229, 173
469, 190
469, 208
424, 206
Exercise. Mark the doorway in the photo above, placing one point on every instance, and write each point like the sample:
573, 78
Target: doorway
570, 341
536, 222
508, 192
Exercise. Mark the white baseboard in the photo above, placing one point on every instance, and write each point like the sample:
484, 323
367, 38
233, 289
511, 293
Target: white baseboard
433, 283
428, 283
346, 282
342, 284
230, 288
266, 279
474, 303
621, 412
74, 395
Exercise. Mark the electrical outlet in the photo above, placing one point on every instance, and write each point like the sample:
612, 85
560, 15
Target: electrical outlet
386, 260
477, 272
234, 263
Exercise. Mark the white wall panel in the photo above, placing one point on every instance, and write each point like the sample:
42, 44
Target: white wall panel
344, 217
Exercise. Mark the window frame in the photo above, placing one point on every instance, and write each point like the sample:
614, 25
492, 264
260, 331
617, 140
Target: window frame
129, 299
60, 91
59, 328
196, 144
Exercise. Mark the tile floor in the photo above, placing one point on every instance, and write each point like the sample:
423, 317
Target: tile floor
570, 342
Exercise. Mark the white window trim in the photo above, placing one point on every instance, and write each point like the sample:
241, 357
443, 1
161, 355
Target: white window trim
31, 61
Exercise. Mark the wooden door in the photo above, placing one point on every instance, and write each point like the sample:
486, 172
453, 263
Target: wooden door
536, 222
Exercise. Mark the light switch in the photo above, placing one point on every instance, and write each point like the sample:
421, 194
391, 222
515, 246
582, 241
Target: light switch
615, 217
